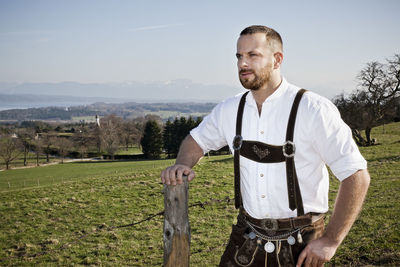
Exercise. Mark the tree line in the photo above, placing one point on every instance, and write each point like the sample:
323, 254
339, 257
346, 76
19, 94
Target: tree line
155, 140
124, 110
92, 140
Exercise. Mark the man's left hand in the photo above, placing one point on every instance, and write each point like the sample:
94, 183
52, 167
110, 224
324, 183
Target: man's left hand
317, 252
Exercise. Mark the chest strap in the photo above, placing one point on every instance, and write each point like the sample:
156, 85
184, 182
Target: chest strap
265, 153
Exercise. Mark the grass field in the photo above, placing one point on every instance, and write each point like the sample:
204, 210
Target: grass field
84, 118
131, 151
83, 213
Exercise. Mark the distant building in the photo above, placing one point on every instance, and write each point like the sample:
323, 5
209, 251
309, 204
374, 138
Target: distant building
97, 120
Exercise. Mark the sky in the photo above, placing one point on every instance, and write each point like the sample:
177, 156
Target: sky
326, 43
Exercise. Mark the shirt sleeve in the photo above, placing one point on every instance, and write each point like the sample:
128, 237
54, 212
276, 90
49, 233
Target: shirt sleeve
209, 134
334, 142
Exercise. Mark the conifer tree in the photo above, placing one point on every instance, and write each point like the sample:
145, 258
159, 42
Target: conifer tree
168, 138
151, 141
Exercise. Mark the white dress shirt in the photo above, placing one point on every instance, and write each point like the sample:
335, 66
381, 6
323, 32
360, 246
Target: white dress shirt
320, 136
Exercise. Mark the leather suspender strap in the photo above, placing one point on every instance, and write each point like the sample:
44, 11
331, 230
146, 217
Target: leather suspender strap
294, 194
237, 143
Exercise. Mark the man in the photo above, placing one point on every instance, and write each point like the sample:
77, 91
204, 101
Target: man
281, 137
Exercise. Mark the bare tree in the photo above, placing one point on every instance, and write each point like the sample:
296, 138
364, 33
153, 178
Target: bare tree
81, 141
139, 125
128, 133
47, 141
38, 143
26, 136
10, 149
110, 134
63, 145
374, 103
95, 137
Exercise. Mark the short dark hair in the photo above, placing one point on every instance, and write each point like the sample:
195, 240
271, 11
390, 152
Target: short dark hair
270, 33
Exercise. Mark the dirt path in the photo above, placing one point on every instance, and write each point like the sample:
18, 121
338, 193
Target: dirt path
52, 163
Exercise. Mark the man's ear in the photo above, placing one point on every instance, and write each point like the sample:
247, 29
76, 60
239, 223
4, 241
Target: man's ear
278, 58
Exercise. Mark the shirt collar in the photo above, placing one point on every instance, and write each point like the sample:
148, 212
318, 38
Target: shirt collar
278, 93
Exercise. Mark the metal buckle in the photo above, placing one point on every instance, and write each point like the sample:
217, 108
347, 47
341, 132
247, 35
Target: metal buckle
269, 224
237, 142
289, 145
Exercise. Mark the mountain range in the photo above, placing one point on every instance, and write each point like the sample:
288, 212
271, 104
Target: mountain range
13, 94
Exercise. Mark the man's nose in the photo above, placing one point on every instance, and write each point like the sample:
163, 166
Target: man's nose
242, 63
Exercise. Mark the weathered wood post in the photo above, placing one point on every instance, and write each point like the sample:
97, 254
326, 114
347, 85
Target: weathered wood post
176, 225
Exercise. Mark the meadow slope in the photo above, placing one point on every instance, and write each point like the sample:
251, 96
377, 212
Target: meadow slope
109, 213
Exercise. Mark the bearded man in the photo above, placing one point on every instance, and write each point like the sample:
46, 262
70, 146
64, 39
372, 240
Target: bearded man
282, 138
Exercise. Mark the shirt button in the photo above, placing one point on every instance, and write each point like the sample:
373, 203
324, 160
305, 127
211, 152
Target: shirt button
261, 175
262, 132
262, 196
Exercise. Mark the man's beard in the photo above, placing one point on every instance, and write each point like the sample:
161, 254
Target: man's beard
259, 79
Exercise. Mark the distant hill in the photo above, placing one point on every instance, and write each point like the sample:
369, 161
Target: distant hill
67, 100
124, 110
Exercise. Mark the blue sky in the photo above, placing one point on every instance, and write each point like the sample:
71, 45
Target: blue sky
326, 43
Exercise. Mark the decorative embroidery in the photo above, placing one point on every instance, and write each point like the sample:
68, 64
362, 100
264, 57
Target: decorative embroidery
260, 153
242, 259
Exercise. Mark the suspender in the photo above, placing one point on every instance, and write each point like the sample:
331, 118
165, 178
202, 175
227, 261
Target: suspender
295, 199
269, 154
237, 143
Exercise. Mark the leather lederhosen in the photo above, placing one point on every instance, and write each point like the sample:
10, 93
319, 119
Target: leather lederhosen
266, 153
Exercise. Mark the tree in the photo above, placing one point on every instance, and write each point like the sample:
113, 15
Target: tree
138, 133
38, 144
152, 140
81, 141
46, 141
137, 136
95, 133
175, 132
64, 146
26, 136
110, 134
168, 138
10, 149
128, 133
374, 103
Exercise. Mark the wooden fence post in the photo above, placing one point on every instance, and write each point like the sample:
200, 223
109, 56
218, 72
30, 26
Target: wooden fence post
176, 225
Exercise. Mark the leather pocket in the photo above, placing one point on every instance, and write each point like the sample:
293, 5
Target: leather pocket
246, 253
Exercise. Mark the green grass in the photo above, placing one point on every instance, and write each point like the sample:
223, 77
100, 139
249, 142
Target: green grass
68, 219
130, 151
85, 118
375, 237
14, 180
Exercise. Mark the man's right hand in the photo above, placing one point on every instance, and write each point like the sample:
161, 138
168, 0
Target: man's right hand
173, 174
